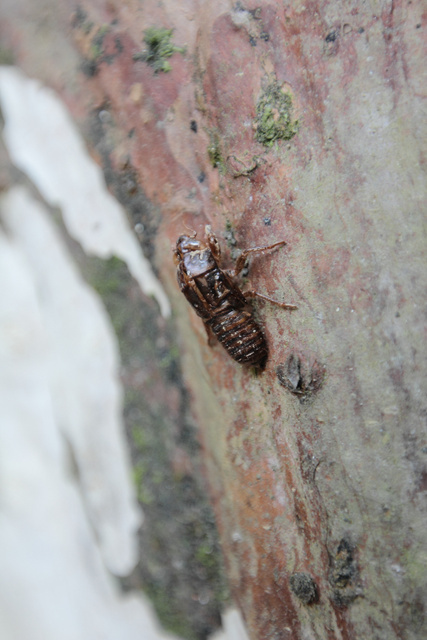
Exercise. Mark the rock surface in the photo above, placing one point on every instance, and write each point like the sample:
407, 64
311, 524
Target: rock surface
302, 121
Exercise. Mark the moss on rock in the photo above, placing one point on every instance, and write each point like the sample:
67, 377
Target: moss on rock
274, 119
160, 48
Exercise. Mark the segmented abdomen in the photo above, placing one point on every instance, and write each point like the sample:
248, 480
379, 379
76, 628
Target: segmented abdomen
241, 336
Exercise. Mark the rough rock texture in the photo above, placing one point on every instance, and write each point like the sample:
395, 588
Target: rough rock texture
317, 465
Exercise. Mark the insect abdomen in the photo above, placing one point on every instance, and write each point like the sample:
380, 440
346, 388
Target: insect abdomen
241, 336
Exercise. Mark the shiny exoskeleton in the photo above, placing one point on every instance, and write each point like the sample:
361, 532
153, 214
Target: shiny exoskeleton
218, 300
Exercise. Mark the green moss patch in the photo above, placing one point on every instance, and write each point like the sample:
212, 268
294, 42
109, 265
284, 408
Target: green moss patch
159, 49
214, 152
274, 119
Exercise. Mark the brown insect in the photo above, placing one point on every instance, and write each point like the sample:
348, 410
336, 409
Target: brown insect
218, 300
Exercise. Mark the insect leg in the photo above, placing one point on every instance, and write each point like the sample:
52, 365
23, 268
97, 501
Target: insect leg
283, 305
213, 243
244, 255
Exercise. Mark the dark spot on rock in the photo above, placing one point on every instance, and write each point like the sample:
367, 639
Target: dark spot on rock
89, 67
332, 36
265, 36
267, 222
256, 13
422, 481
344, 568
302, 375
361, 30
193, 126
252, 41
109, 58
303, 587
118, 43
344, 599
78, 18
343, 574
201, 177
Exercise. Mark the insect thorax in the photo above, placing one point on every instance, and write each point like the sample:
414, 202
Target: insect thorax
196, 263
